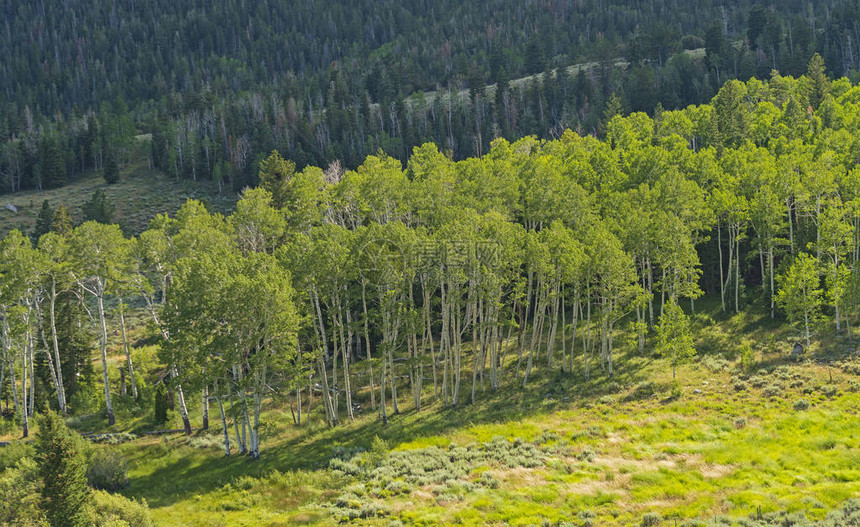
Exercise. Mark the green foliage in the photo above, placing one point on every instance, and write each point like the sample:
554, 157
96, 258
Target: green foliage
674, 336
44, 221
746, 356
107, 470
800, 293
160, 404
98, 208
116, 510
19, 494
111, 170
61, 457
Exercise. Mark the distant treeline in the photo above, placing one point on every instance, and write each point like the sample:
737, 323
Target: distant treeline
220, 85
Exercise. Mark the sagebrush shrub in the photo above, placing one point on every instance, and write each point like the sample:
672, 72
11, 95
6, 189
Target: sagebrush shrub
107, 470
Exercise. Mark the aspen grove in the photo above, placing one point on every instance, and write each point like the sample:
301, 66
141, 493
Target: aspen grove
442, 280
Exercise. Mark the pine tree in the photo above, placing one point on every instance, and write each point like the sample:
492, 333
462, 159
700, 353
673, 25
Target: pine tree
62, 223
111, 171
819, 83
62, 461
43, 221
53, 165
98, 208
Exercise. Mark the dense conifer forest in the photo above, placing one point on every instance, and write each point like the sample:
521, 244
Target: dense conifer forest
220, 85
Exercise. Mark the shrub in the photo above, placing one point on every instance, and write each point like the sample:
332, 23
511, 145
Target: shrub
772, 391
715, 364
801, 404
643, 391
378, 452
830, 390
746, 356
650, 519
107, 470
758, 381
586, 455
113, 509
741, 386
489, 481
740, 422
14, 452
19, 495
548, 436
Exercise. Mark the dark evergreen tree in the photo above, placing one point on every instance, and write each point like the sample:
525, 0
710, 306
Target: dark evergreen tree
62, 459
111, 170
98, 208
44, 220
51, 162
819, 84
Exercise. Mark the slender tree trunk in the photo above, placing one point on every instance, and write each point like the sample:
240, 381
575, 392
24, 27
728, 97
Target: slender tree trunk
720, 249
205, 407
367, 343
224, 426
772, 293
103, 345
47, 348
737, 269
126, 349
346, 348
61, 391
790, 226
326, 393
183, 409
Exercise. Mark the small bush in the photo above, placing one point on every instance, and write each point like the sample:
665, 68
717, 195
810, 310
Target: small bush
489, 481
650, 519
746, 355
772, 391
830, 390
801, 404
548, 436
741, 386
378, 452
586, 455
758, 382
715, 364
113, 509
107, 470
740, 422
643, 391
14, 452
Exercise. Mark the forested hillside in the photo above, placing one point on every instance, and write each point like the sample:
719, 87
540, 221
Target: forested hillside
443, 282
219, 85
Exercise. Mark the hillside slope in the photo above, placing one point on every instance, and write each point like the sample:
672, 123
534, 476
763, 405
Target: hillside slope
140, 194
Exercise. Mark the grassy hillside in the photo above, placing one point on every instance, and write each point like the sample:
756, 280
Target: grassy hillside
140, 194
726, 440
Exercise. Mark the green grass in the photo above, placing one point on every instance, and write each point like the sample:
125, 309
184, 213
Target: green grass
598, 451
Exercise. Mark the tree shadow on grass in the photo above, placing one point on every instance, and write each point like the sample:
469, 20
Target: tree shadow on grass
197, 472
